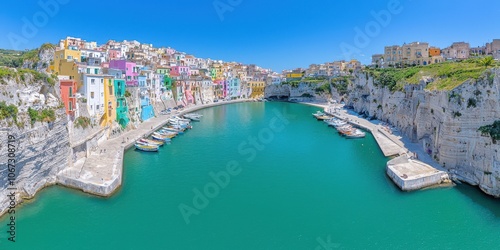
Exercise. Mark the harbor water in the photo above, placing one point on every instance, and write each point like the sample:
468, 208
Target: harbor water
258, 176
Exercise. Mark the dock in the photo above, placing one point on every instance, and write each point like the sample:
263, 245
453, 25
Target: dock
101, 173
410, 174
407, 173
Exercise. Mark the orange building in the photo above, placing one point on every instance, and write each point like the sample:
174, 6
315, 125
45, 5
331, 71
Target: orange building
68, 90
433, 51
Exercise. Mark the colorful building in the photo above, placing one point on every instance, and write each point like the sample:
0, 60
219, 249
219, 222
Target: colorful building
434, 51
120, 88
68, 90
109, 107
69, 68
130, 69
71, 54
257, 88
180, 70
234, 88
146, 106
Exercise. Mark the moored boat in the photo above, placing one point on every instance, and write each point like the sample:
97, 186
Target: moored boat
152, 142
146, 148
356, 133
158, 136
318, 114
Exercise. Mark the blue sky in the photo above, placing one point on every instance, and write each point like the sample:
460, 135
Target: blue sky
273, 34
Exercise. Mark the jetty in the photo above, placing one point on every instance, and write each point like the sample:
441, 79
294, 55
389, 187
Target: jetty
405, 171
101, 173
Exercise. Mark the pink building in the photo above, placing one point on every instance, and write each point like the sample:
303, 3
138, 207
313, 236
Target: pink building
114, 54
179, 70
130, 70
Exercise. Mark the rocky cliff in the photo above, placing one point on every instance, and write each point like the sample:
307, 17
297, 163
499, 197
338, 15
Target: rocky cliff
302, 92
444, 122
40, 130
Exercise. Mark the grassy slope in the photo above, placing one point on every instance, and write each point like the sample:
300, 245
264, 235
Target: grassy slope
447, 75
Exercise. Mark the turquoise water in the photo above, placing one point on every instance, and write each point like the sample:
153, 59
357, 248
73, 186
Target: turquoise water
306, 188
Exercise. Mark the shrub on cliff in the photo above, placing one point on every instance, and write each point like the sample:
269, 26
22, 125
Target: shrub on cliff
8, 111
82, 122
492, 130
44, 115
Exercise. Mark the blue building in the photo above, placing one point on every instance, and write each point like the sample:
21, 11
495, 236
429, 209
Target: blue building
147, 110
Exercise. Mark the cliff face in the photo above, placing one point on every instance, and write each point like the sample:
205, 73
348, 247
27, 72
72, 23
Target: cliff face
42, 148
445, 123
303, 92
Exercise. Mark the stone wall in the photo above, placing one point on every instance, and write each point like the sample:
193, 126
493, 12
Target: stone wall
443, 122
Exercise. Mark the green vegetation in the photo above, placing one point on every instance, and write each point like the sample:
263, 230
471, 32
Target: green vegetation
492, 130
447, 75
307, 95
82, 122
325, 88
8, 111
21, 75
486, 61
127, 94
341, 84
471, 103
44, 115
15, 58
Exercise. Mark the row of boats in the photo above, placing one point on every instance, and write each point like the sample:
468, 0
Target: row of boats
343, 127
176, 125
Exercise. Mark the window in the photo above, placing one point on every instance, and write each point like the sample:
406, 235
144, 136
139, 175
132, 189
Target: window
92, 95
102, 80
70, 106
96, 71
70, 91
92, 81
88, 71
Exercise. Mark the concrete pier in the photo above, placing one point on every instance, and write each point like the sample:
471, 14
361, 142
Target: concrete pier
411, 174
101, 173
408, 174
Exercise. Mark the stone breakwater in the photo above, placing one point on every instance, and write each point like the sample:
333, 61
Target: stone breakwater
443, 123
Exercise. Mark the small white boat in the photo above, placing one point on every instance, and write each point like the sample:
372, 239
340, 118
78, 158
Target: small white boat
318, 114
356, 133
146, 148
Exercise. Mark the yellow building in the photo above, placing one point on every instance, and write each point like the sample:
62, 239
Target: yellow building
257, 88
109, 102
294, 75
65, 54
69, 68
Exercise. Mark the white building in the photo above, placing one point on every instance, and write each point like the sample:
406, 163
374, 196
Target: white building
93, 91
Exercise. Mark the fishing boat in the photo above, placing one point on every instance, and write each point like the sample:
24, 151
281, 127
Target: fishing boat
174, 130
195, 119
318, 114
167, 134
323, 117
151, 142
158, 136
338, 123
146, 148
356, 133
